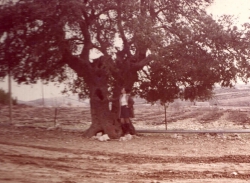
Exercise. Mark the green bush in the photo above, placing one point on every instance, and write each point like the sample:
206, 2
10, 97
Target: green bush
4, 98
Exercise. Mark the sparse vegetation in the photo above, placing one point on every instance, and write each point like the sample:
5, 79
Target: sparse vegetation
211, 115
238, 117
146, 117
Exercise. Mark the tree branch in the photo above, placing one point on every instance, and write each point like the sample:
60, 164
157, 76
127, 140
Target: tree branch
139, 65
121, 31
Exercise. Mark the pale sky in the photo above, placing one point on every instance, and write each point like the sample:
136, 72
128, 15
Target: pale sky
32, 92
239, 8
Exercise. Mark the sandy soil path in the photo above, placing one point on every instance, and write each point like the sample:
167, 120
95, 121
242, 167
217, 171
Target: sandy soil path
34, 155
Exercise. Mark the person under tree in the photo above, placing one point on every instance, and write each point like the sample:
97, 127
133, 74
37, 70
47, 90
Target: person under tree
126, 110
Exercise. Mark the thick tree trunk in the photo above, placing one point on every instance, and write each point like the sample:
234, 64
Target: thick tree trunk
103, 120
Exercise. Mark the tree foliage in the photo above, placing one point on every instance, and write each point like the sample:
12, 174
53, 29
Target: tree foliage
180, 45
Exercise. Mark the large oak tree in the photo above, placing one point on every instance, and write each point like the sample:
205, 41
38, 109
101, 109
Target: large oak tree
147, 45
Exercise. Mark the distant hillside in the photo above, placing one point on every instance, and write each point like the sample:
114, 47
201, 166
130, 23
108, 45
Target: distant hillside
236, 96
71, 101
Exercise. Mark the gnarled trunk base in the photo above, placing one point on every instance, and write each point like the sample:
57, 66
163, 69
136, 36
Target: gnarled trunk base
110, 126
103, 119
114, 131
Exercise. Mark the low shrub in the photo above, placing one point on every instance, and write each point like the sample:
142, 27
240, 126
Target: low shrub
4, 98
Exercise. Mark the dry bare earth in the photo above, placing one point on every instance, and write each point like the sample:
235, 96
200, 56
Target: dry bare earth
31, 150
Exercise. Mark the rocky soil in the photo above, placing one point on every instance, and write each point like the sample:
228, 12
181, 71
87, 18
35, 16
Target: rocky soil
46, 145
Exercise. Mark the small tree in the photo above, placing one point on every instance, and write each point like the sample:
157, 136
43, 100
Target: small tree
4, 98
167, 81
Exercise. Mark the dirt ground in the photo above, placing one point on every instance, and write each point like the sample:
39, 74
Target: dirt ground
32, 152
36, 155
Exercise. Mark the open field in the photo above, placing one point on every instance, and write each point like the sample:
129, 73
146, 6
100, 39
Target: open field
46, 145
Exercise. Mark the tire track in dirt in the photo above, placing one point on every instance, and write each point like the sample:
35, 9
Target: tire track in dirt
100, 165
169, 174
131, 158
33, 163
41, 156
